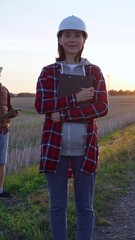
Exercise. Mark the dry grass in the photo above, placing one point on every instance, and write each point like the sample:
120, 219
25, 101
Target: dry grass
121, 114
25, 132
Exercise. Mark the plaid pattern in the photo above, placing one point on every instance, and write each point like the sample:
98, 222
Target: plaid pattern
46, 102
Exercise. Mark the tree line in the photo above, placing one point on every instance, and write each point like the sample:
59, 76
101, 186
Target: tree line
121, 93
110, 92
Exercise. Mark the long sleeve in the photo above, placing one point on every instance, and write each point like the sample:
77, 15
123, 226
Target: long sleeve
98, 106
46, 100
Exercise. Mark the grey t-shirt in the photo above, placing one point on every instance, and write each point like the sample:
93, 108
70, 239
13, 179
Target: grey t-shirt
73, 134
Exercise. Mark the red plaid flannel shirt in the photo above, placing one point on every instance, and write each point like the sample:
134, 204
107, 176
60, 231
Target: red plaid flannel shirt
46, 102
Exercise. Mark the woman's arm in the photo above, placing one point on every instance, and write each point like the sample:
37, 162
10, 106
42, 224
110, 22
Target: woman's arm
98, 107
46, 100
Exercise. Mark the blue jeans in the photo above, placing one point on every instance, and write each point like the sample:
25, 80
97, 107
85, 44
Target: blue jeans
83, 189
4, 138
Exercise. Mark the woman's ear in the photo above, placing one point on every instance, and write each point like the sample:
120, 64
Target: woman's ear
60, 41
84, 41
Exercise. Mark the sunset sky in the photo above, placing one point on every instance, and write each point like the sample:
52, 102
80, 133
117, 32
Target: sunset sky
28, 39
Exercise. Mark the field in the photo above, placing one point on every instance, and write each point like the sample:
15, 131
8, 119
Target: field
26, 215
25, 131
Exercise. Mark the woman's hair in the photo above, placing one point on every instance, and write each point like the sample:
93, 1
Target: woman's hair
61, 51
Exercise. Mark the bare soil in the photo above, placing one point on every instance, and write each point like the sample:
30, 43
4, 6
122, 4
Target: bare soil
121, 220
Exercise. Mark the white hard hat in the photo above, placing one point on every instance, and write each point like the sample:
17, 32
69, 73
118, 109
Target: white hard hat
1, 69
72, 23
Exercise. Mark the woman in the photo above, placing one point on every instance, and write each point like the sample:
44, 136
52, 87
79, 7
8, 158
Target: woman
69, 140
6, 113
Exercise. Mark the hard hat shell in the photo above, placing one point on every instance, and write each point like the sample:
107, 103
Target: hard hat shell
72, 23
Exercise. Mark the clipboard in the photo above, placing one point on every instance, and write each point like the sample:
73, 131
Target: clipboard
72, 84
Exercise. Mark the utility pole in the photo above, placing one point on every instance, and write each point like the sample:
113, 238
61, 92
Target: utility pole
108, 82
1, 70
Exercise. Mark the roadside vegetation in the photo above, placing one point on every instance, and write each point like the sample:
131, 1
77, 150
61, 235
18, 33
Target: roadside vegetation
26, 215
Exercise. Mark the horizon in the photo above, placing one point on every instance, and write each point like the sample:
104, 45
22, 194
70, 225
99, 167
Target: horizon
132, 91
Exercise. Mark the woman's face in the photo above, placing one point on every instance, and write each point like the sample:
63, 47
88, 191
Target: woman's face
72, 41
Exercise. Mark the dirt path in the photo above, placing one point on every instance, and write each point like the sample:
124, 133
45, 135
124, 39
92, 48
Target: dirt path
122, 219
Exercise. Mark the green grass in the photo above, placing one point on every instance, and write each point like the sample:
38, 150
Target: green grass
26, 215
115, 173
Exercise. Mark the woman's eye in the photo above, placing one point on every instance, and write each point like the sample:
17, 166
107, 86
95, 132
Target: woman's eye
67, 36
78, 35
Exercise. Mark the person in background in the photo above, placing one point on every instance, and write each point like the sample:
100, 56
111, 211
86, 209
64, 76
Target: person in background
6, 112
69, 144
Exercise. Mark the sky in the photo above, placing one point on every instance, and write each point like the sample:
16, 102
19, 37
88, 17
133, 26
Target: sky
28, 39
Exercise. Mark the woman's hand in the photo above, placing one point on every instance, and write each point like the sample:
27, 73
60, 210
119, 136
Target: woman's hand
85, 94
82, 96
55, 117
11, 114
15, 112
